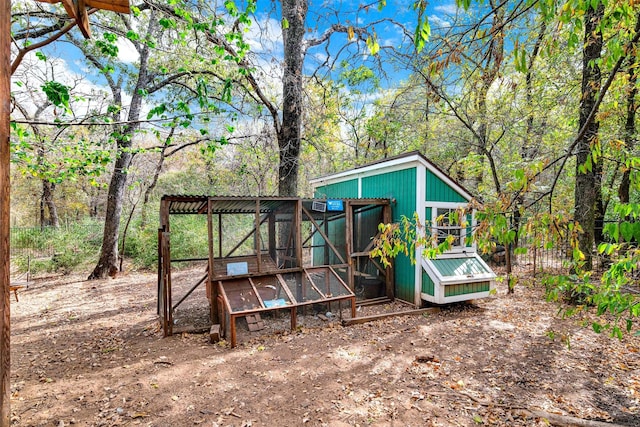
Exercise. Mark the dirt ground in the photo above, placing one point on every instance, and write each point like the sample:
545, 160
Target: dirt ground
92, 354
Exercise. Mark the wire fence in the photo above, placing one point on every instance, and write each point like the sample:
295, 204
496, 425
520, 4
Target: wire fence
45, 242
556, 258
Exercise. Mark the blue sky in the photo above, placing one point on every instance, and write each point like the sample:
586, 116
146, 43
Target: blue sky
268, 45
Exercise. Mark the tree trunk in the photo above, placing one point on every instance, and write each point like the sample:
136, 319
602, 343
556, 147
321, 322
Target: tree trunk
108, 261
294, 13
586, 187
629, 129
48, 205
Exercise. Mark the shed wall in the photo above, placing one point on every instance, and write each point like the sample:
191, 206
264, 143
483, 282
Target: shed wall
440, 191
340, 190
401, 186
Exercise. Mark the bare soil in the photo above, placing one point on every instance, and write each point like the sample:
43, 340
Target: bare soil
91, 353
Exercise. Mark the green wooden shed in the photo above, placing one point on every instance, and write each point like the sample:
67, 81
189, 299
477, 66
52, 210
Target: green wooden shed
416, 185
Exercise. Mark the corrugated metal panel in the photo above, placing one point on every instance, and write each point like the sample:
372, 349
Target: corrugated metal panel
466, 288
449, 267
228, 204
401, 186
438, 191
344, 189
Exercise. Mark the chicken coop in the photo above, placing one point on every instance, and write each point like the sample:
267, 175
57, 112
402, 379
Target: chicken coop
415, 185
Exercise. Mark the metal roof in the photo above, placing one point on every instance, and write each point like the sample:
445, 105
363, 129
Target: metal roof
197, 204
228, 205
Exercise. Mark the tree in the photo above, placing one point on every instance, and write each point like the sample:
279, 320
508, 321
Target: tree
587, 179
108, 261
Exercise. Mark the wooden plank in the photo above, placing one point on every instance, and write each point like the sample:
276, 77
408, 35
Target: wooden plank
348, 238
82, 18
364, 319
257, 240
120, 6
373, 301
298, 230
5, 268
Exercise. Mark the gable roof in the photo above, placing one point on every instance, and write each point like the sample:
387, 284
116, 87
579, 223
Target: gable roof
395, 161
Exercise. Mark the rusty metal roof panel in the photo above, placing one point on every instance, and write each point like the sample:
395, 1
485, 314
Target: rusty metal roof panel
197, 204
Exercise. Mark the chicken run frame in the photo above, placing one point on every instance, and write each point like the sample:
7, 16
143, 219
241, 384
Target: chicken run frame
293, 253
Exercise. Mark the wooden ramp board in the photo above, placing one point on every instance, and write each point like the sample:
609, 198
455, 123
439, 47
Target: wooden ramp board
255, 322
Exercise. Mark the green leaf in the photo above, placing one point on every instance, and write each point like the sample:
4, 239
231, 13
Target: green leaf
422, 34
626, 230
107, 48
285, 23
132, 35
57, 93
372, 44
636, 231
167, 23
41, 56
520, 251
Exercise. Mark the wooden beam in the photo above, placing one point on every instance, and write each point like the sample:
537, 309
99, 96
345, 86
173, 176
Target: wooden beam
120, 6
5, 268
364, 319
77, 9
82, 18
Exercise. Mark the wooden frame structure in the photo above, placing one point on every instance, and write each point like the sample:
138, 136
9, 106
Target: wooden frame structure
272, 252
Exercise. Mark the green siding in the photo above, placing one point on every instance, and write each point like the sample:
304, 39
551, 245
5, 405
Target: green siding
401, 186
322, 254
449, 267
340, 190
466, 288
427, 284
344, 189
438, 191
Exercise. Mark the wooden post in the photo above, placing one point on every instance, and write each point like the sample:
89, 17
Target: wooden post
349, 244
212, 288
256, 237
5, 110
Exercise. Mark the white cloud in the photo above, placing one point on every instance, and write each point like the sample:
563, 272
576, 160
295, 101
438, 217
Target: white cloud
448, 9
265, 36
126, 51
436, 21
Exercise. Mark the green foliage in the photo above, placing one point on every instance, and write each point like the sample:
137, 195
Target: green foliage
57, 94
423, 29
408, 235
74, 247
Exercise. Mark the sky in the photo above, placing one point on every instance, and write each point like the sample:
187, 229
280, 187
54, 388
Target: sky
264, 37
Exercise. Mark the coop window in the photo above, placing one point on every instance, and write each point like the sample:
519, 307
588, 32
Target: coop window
446, 222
